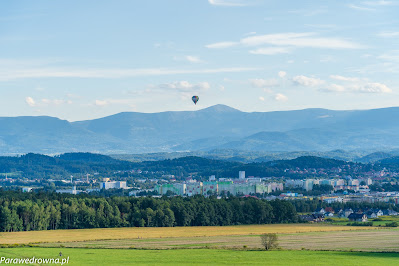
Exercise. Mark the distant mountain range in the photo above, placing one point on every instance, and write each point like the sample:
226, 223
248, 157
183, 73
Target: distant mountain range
215, 128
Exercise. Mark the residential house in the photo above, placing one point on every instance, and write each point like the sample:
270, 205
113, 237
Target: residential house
378, 212
389, 212
329, 209
345, 213
357, 217
371, 214
318, 217
314, 218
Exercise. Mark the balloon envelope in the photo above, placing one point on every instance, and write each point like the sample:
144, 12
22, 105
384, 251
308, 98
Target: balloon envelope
195, 99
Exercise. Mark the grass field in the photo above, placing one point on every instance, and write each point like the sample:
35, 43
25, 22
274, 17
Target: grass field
301, 244
166, 232
204, 257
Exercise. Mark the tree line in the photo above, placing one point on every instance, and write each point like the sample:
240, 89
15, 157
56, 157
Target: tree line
49, 211
305, 206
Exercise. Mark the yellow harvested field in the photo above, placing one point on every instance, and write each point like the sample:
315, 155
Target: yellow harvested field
52, 236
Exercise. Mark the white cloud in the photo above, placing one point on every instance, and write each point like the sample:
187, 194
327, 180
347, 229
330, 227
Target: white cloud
389, 34
362, 87
262, 83
335, 88
30, 101
282, 74
276, 39
261, 98
221, 87
374, 88
53, 101
360, 7
307, 81
378, 3
371, 5
342, 78
250, 33
193, 59
228, 2
188, 58
280, 97
271, 50
12, 74
304, 39
106, 102
290, 39
221, 45
45, 102
185, 86
101, 103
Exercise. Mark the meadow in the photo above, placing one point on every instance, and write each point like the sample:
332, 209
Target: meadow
204, 257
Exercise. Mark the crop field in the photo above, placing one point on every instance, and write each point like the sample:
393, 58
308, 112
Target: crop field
164, 232
386, 240
203, 257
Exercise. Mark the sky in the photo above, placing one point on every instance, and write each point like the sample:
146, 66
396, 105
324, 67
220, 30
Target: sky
80, 60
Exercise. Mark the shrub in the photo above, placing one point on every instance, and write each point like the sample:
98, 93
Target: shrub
393, 224
269, 241
360, 224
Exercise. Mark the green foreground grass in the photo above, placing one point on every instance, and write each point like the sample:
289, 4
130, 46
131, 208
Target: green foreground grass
79, 256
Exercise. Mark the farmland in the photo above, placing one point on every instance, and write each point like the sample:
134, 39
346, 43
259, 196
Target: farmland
159, 232
300, 244
359, 240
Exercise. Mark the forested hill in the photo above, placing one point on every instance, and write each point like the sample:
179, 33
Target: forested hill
392, 162
39, 166
42, 166
310, 162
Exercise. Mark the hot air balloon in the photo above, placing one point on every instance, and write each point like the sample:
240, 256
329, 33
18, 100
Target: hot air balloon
195, 99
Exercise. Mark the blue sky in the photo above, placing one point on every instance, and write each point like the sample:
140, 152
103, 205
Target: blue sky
86, 59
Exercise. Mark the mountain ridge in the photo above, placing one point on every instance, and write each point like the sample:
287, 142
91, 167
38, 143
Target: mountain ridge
215, 127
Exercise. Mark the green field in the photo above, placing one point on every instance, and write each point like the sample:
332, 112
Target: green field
300, 244
204, 257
